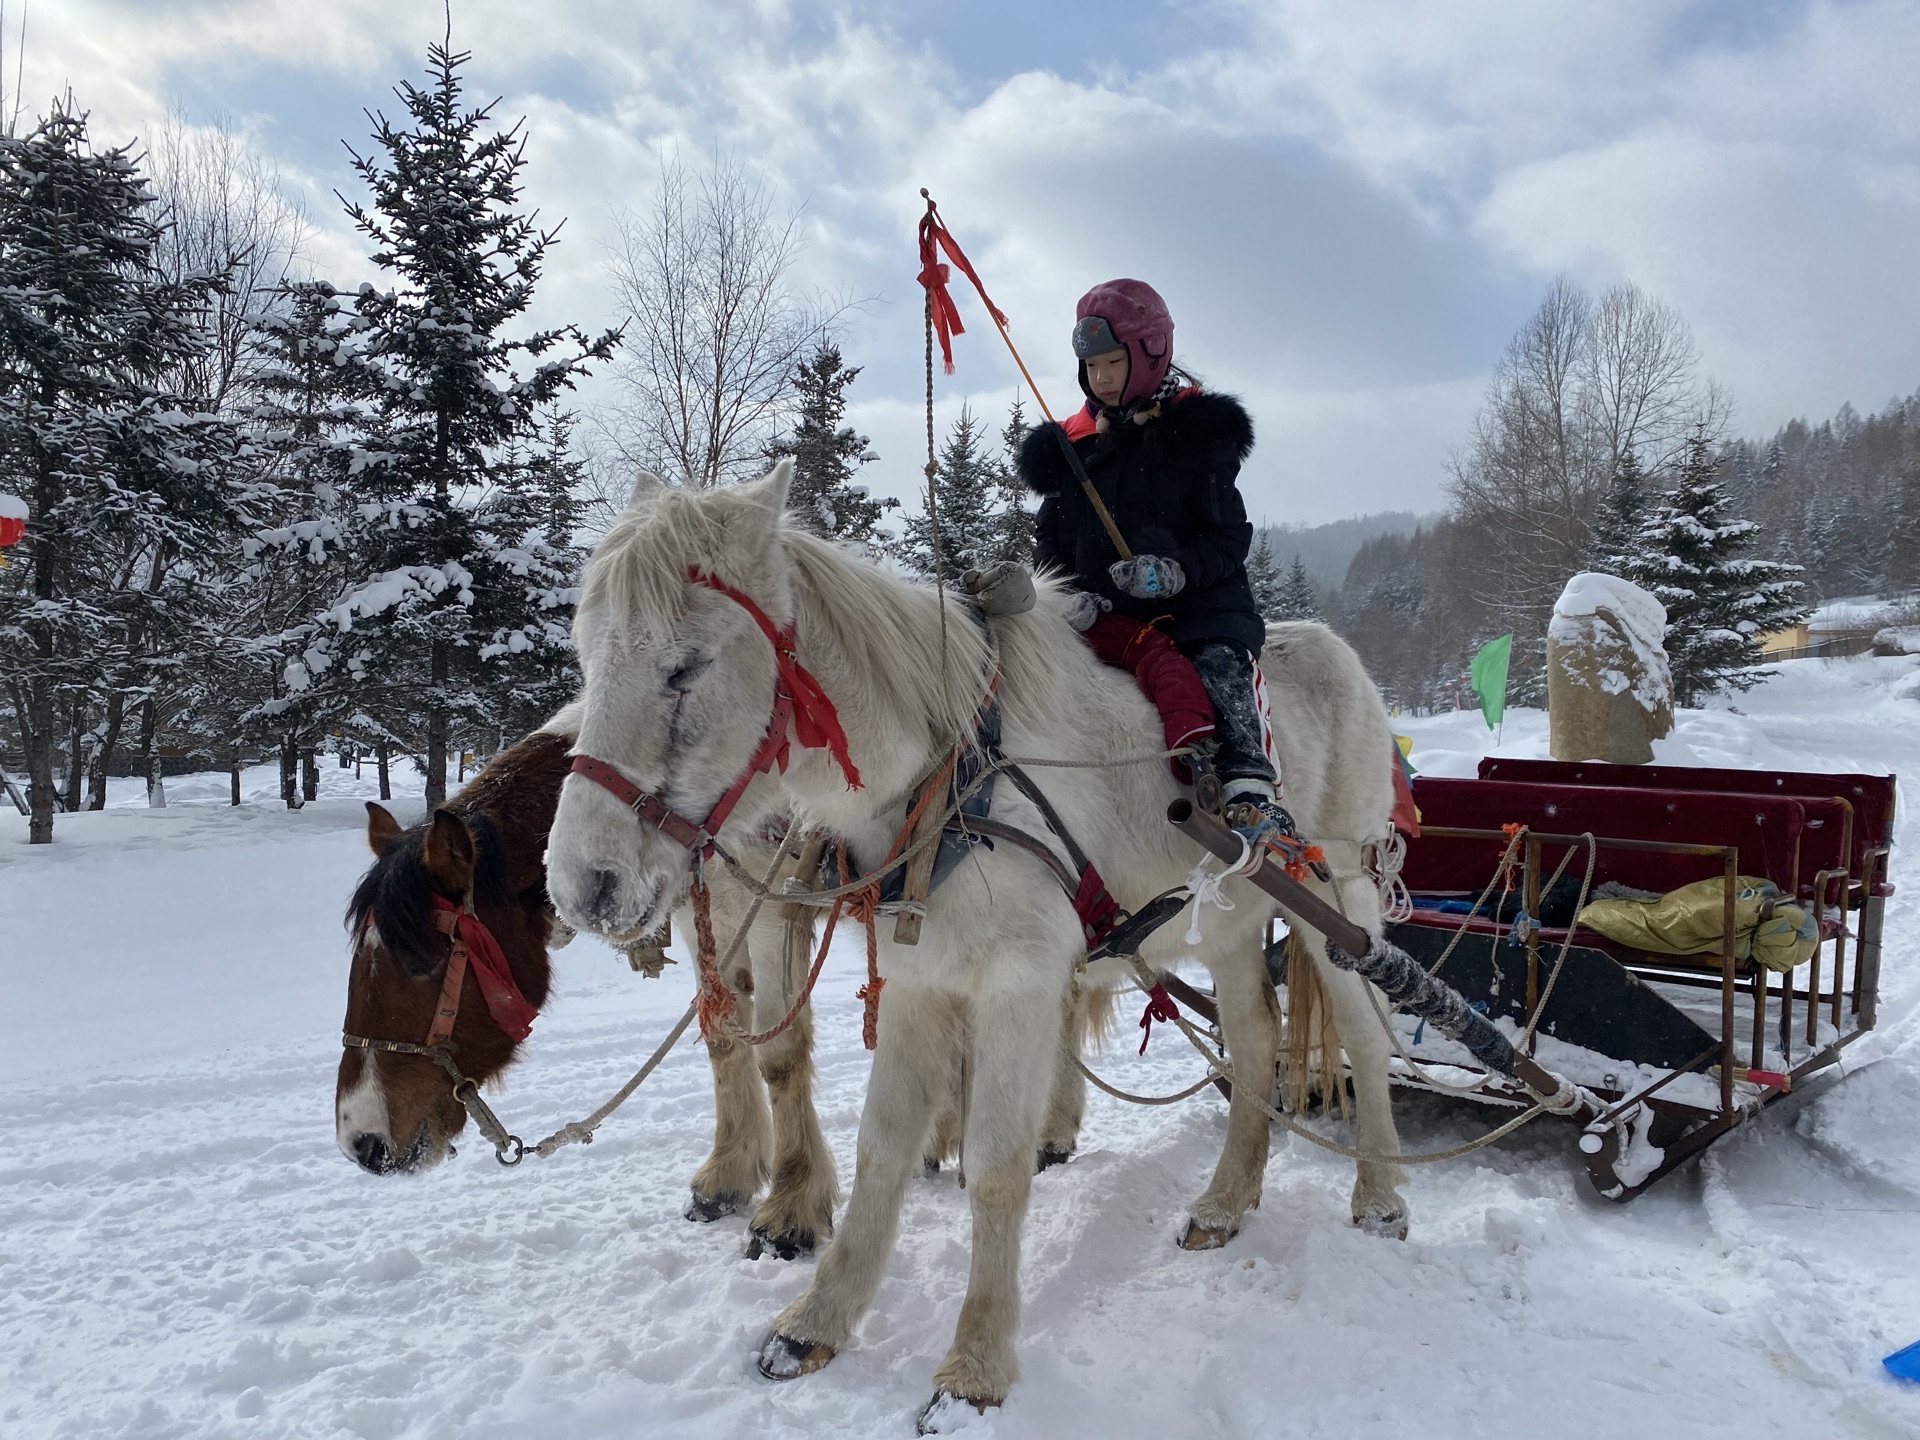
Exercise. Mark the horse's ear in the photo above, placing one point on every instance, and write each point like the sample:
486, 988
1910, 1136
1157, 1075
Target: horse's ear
449, 853
382, 829
646, 485
772, 491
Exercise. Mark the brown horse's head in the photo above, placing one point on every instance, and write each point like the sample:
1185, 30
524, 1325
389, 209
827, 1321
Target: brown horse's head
397, 1111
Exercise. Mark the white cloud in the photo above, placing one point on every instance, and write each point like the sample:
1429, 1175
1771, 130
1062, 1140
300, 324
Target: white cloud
1349, 208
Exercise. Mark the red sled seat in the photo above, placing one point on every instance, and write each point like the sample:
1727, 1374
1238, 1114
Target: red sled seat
1870, 800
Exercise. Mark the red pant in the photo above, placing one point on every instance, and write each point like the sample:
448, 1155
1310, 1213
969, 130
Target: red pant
1165, 675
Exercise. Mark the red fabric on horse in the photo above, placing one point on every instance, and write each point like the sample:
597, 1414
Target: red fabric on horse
816, 723
1165, 675
511, 1010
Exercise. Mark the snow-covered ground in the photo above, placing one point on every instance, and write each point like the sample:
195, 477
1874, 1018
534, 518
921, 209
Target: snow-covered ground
183, 1252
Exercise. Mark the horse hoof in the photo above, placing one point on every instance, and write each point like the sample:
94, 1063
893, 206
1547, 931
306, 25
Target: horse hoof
1206, 1237
939, 1414
1050, 1156
1390, 1226
785, 1358
782, 1247
930, 1167
704, 1210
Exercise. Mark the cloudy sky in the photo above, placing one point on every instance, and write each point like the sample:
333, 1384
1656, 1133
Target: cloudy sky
1350, 207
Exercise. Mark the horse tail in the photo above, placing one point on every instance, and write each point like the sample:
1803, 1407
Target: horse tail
1311, 1040
1096, 1017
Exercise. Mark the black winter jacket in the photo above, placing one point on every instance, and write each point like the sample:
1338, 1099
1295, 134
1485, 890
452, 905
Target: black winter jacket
1170, 486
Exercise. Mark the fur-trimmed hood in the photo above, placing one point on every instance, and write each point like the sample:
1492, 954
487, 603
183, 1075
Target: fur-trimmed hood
1195, 427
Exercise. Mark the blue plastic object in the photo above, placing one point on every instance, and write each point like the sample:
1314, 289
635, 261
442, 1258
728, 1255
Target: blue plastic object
1905, 1363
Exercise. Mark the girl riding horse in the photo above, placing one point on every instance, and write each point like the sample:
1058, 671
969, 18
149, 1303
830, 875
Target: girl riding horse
1164, 456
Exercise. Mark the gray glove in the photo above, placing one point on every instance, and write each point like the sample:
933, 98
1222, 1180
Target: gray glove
1002, 589
1084, 608
1148, 577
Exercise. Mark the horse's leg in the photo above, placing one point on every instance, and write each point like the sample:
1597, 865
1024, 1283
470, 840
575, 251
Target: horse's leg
1377, 1204
1016, 1035
798, 1211
1250, 1024
733, 1172
1067, 1105
913, 1069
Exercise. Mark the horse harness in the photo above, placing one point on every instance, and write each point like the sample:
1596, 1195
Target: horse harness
966, 776
472, 947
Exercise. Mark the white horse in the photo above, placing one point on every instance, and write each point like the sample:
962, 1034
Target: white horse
679, 684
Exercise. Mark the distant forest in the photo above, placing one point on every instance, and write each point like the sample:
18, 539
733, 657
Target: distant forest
1417, 595
1326, 551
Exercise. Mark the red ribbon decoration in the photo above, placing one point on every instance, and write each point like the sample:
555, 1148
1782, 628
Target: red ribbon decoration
816, 723
1099, 912
935, 238
1160, 1007
511, 1010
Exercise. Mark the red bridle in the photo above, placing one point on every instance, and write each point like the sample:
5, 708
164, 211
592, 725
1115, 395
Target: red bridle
798, 703
473, 942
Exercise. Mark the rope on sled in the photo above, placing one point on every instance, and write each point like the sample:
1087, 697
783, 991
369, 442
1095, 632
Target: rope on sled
1144, 978
1225, 1072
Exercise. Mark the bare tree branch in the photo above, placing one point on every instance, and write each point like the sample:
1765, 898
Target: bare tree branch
223, 211
1580, 384
714, 328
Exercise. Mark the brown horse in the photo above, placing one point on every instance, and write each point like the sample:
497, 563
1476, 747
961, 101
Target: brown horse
484, 853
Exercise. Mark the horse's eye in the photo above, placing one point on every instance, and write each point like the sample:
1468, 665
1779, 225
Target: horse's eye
688, 671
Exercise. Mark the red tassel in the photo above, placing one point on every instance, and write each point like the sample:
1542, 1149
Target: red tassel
935, 238
1160, 1007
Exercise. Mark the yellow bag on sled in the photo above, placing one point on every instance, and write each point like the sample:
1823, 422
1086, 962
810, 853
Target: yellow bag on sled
1688, 921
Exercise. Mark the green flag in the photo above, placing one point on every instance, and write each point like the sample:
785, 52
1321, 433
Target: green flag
1488, 675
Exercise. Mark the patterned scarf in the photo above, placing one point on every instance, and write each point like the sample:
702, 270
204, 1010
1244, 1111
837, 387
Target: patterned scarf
1171, 384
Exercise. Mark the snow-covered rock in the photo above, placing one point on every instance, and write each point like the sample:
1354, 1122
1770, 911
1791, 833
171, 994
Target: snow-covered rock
1609, 688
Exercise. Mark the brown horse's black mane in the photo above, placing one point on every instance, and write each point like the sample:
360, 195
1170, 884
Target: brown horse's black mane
515, 793
398, 891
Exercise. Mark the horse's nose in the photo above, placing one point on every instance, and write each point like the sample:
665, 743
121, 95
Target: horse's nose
372, 1153
606, 895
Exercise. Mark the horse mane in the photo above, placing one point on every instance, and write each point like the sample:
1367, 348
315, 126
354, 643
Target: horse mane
883, 625
886, 628
398, 893
637, 574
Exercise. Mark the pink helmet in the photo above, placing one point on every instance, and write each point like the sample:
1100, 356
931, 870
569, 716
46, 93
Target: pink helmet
1125, 314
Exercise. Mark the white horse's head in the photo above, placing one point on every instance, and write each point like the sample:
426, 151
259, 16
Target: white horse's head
680, 682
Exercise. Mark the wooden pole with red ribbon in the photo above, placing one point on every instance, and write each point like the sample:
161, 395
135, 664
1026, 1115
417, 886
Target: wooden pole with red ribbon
943, 318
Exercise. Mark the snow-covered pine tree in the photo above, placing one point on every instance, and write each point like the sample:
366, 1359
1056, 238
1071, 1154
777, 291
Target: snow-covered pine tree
528, 670
1264, 578
1902, 568
1693, 555
1618, 520
281, 686
1298, 600
1011, 500
126, 485
827, 454
451, 577
967, 489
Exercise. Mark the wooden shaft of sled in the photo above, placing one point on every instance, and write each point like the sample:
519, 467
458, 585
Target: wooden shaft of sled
1301, 902
1210, 834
